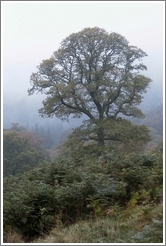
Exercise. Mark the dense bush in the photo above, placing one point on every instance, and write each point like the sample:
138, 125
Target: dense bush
21, 150
77, 188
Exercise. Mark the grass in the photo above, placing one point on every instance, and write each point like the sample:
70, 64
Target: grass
141, 224
12, 237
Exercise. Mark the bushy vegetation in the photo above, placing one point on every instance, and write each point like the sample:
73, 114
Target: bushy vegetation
140, 224
81, 187
22, 150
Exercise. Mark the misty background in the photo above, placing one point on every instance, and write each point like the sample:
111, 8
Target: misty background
32, 31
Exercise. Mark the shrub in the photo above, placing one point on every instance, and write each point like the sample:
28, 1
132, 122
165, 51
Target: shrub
67, 190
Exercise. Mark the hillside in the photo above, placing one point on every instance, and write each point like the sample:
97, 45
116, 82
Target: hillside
79, 192
88, 196
140, 224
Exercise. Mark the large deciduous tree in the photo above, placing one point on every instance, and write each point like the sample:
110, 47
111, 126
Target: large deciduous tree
96, 74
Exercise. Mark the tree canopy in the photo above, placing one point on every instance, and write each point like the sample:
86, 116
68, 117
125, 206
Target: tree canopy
93, 73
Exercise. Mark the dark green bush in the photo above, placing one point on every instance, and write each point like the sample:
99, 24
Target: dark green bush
19, 154
28, 206
69, 190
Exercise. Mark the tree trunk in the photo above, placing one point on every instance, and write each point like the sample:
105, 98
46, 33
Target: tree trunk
100, 134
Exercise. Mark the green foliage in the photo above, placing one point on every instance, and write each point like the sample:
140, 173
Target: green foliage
27, 209
97, 204
21, 151
125, 226
117, 132
66, 190
97, 74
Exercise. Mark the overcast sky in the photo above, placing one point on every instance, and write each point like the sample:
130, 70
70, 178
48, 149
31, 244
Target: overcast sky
32, 31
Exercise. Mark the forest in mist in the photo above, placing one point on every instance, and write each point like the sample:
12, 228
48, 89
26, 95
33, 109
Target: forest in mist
24, 111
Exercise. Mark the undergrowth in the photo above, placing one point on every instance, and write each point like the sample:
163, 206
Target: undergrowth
141, 224
107, 199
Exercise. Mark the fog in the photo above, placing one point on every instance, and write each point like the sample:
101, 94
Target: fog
31, 32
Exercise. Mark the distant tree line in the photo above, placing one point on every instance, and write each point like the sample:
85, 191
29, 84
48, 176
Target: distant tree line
22, 150
153, 118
